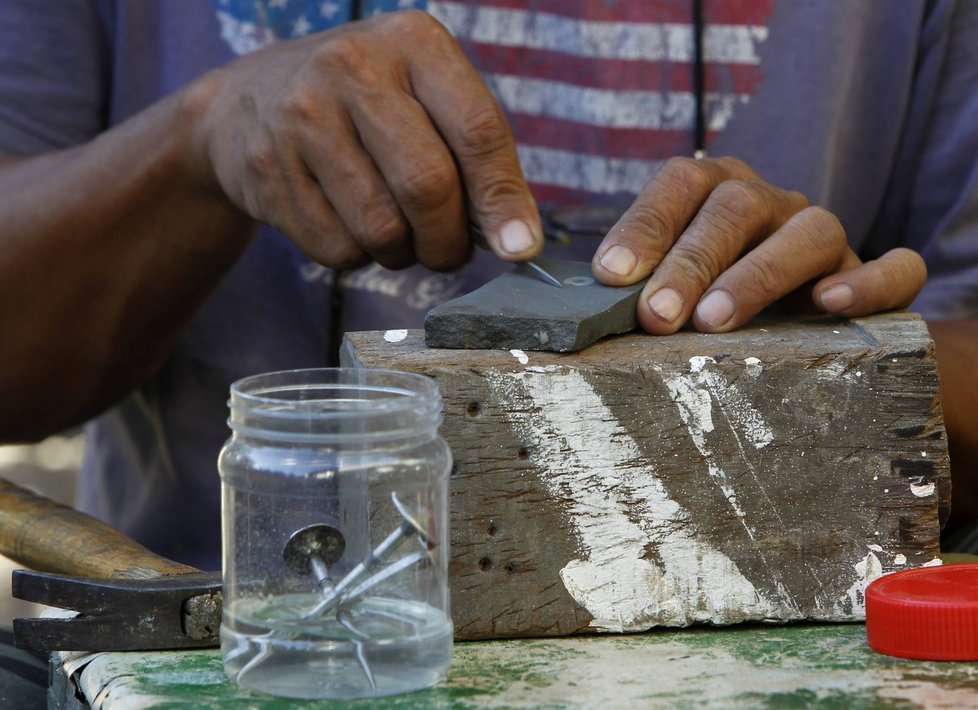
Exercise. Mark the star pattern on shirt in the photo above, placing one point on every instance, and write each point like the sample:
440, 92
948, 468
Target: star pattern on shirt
301, 27
329, 9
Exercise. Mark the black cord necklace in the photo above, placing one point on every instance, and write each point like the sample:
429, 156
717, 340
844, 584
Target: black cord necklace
699, 81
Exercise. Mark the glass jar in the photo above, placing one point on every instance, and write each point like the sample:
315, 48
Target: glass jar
335, 524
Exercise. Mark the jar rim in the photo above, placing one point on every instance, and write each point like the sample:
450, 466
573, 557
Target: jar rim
391, 399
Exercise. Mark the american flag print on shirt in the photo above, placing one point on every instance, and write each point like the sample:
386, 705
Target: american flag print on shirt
598, 92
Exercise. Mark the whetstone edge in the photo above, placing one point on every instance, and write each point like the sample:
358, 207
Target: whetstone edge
518, 310
768, 474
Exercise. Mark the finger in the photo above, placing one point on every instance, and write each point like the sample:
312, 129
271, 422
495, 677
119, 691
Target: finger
892, 281
476, 132
318, 230
737, 216
808, 245
355, 188
660, 213
421, 175
285, 195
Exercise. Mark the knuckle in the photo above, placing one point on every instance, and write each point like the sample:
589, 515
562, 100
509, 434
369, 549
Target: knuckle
651, 221
260, 159
496, 194
427, 186
736, 167
825, 221
483, 132
696, 261
737, 215
348, 57
764, 277
739, 202
299, 107
823, 231
420, 29
690, 174
379, 228
797, 201
414, 23
341, 251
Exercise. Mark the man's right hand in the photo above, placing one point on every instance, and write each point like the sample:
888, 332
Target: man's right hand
376, 140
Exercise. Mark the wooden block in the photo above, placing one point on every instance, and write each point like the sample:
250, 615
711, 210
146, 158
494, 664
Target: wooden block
765, 474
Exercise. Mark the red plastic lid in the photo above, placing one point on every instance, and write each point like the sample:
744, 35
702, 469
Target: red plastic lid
929, 613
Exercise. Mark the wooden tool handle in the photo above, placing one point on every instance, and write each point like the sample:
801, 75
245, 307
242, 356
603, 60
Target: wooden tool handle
50, 537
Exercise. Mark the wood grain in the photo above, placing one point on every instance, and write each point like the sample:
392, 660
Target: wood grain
50, 537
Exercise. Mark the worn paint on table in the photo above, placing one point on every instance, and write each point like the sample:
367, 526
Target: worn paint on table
826, 666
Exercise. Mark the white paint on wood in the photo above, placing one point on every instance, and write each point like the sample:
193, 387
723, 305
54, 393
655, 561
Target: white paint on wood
395, 336
641, 563
922, 490
835, 370
520, 356
698, 362
900, 559
754, 366
696, 410
743, 417
694, 397
867, 569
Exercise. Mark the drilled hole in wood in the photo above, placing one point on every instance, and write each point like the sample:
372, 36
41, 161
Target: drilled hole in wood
492, 530
523, 454
454, 471
474, 409
512, 566
485, 564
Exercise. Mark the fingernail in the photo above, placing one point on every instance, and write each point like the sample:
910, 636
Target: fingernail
619, 260
716, 309
838, 298
666, 304
515, 237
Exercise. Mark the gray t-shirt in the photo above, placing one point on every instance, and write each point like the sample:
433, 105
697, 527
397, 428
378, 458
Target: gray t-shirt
869, 108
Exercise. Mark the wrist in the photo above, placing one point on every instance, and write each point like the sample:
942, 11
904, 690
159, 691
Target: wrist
194, 107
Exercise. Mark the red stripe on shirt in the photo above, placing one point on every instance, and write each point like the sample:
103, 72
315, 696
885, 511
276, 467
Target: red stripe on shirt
631, 143
622, 74
724, 12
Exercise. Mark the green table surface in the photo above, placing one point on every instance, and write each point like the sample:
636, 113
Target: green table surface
802, 666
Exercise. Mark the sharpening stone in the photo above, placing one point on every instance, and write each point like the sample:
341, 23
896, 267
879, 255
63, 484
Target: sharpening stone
519, 311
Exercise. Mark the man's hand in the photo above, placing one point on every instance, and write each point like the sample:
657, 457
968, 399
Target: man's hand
722, 244
375, 140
